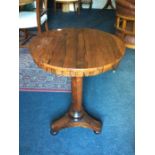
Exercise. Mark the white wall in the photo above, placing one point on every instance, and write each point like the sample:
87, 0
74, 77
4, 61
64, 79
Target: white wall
99, 4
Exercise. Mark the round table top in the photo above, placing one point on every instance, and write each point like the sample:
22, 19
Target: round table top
76, 52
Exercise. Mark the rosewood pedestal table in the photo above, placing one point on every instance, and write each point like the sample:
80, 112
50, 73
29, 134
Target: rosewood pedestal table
76, 53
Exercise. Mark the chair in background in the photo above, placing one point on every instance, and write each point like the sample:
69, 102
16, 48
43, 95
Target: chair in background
33, 19
125, 21
74, 2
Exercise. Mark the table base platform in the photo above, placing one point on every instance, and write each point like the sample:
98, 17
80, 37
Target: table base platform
68, 120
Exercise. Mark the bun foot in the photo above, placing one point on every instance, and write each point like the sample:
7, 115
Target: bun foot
53, 132
97, 132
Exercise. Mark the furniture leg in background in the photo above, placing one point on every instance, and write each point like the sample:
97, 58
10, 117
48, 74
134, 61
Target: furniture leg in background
108, 3
28, 20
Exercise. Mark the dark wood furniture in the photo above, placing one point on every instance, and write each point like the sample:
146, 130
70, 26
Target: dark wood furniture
76, 53
125, 21
31, 19
23, 38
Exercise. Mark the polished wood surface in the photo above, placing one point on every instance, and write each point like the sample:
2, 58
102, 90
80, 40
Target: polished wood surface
76, 52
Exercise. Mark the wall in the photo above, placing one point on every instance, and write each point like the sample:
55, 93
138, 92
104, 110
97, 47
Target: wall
99, 4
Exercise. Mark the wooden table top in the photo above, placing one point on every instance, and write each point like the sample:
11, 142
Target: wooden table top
76, 52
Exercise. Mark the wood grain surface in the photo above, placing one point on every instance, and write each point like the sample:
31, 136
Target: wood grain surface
76, 52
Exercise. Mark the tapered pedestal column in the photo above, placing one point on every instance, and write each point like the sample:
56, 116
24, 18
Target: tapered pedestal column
76, 116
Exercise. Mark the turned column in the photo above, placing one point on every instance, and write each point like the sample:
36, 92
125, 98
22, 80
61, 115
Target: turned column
76, 110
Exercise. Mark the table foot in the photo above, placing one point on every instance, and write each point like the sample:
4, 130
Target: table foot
85, 121
53, 132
